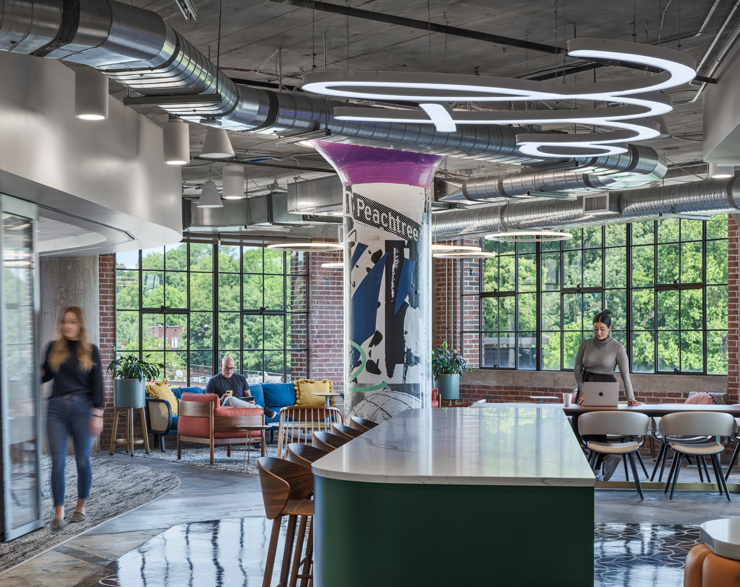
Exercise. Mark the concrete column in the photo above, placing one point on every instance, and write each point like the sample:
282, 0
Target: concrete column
387, 277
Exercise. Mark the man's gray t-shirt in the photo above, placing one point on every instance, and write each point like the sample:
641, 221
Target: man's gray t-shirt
236, 383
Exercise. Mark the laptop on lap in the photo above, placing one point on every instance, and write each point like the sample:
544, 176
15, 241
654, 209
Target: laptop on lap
601, 394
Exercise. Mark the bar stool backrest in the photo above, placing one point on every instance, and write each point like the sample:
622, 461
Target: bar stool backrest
342, 430
369, 424
329, 441
698, 424
301, 422
613, 422
303, 454
280, 481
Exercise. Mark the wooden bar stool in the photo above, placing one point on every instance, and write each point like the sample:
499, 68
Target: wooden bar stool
328, 441
129, 440
346, 431
303, 454
286, 488
367, 424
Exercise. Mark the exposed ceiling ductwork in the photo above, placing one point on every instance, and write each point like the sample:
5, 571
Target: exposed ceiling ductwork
138, 49
713, 196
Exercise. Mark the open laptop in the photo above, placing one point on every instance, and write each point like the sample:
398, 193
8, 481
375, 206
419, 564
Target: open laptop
604, 394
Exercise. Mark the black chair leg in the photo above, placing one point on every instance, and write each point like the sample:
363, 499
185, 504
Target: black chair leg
626, 473
720, 478
675, 475
644, 469
660, 460
665, 460
698, 467
706, 470
732, 461
637, 477
714, 466
671, 472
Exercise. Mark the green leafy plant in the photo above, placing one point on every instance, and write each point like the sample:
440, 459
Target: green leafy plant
446, 361
132, 367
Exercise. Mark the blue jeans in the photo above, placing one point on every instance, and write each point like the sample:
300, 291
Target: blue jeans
69, 415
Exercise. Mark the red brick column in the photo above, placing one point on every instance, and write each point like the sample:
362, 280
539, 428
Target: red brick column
107, 282
732, 310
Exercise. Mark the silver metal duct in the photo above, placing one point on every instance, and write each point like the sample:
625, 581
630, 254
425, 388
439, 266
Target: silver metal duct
138, 49
712, 196
638, 166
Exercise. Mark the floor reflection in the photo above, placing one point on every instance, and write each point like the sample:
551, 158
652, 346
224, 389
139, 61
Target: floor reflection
641, 555
231, 553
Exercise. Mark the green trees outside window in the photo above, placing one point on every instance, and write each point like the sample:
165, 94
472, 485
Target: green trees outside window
666, 282
188, 304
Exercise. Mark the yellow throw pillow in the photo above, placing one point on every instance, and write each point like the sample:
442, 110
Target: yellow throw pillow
160, 390
305, 387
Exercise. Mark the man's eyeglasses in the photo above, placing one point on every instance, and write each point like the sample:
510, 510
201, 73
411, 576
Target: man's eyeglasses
229, 368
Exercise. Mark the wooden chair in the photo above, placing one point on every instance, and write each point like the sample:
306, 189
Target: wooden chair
328, 441
212, 429
297, 422
304, 455
346, 431
286, 489
368, 424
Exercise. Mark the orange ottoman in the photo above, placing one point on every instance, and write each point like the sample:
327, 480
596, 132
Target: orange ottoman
716, 563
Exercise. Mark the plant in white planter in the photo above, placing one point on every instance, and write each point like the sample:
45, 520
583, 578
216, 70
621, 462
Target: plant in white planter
448, 367
129, 376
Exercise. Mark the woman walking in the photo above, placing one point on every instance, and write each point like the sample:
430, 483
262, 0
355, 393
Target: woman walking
596, 360
75, 407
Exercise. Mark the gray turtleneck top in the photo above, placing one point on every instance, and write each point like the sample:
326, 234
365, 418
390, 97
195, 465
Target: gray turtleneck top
602, 356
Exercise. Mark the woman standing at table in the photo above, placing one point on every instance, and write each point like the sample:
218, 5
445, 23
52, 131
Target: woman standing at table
595, 362
75, 407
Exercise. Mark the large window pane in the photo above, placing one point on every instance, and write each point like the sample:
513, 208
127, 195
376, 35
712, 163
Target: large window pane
274, 366
551, 351
228, 259
668, 311
127, 331
572, 268
616, 301
201, 367
201, 291
152, 258
668, 351
668, 230
575, 242
273, 261
252, 259
152, 289
692, 351
176, 257
643, 233
201, 257
592, 237
152, 330
228, 292
252, 296
551, 271
592, 268
176, 368
717, 361
643, 352
616, 267
297, 293
692, 309
527, 351
507, 273
253, 332
176, 335
592, 305
527, 312
691, 262
717, 261
527, 272
130, 260
201, 330
572, 312
691, 230
551, 311
253, 367
499, 350
274, 332
571, 344
176, 289
643, 309
228, 330
668, 264
127, 290
717, 226
643, 268
490, 273
274, 292
717, 299
616, 235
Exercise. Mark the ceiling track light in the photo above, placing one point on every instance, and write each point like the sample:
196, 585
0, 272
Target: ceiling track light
717, 171
464, 255
216, 144
528, 236
176, 142
640, 100
233, 182
437, 248
307, 247
209, 197
91, 94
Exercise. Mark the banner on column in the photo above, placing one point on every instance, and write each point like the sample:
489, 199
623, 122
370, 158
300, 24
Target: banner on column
388, 291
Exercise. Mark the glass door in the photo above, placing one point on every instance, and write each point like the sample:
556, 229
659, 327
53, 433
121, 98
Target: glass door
19, 372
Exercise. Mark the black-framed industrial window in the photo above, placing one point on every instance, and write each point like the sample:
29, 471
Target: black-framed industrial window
665, 280
189, 304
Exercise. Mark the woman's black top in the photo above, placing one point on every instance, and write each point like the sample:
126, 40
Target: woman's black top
71, 379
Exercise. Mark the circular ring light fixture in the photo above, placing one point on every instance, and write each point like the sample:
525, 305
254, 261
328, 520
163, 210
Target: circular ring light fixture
306, 247
436, 248
333, 265
528, 236
465, 255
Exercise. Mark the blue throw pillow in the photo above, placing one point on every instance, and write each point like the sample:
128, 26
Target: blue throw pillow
278, 395
259, 395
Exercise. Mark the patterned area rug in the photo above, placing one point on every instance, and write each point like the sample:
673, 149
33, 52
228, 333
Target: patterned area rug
641, 555
116, 488
200, 457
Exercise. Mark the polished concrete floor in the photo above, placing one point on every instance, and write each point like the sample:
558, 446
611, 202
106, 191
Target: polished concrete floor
211, 531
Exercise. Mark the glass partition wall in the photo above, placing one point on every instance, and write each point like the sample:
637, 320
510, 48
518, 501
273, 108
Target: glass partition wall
20, 416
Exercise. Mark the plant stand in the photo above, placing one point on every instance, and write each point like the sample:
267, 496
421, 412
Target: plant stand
129, 440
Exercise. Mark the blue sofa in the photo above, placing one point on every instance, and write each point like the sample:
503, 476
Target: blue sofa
162, 422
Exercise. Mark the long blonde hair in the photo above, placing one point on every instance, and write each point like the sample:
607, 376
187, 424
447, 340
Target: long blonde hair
59, 348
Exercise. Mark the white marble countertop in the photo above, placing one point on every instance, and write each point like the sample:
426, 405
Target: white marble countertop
501, 444
722, 537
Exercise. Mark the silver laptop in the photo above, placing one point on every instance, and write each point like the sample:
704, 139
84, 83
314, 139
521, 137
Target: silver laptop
601, 394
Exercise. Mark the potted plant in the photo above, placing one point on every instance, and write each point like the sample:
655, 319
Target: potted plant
129, 376
447, 367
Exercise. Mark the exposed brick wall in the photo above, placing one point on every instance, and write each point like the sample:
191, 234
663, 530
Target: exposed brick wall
732, 309
326, 319
107, 316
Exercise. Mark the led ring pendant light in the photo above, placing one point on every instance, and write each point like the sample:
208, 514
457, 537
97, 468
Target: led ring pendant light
528, 236
306, 247
640, 99
465, 255
437, 248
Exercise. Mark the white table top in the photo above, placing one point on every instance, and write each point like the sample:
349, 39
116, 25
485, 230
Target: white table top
500, 444
722, 537
325, 393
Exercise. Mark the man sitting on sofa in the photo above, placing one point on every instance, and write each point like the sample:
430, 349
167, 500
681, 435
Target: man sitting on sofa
228, 380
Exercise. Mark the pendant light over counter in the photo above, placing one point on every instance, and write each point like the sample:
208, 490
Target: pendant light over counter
209, 197
233, 182
217, 145
91, 94
176, 140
